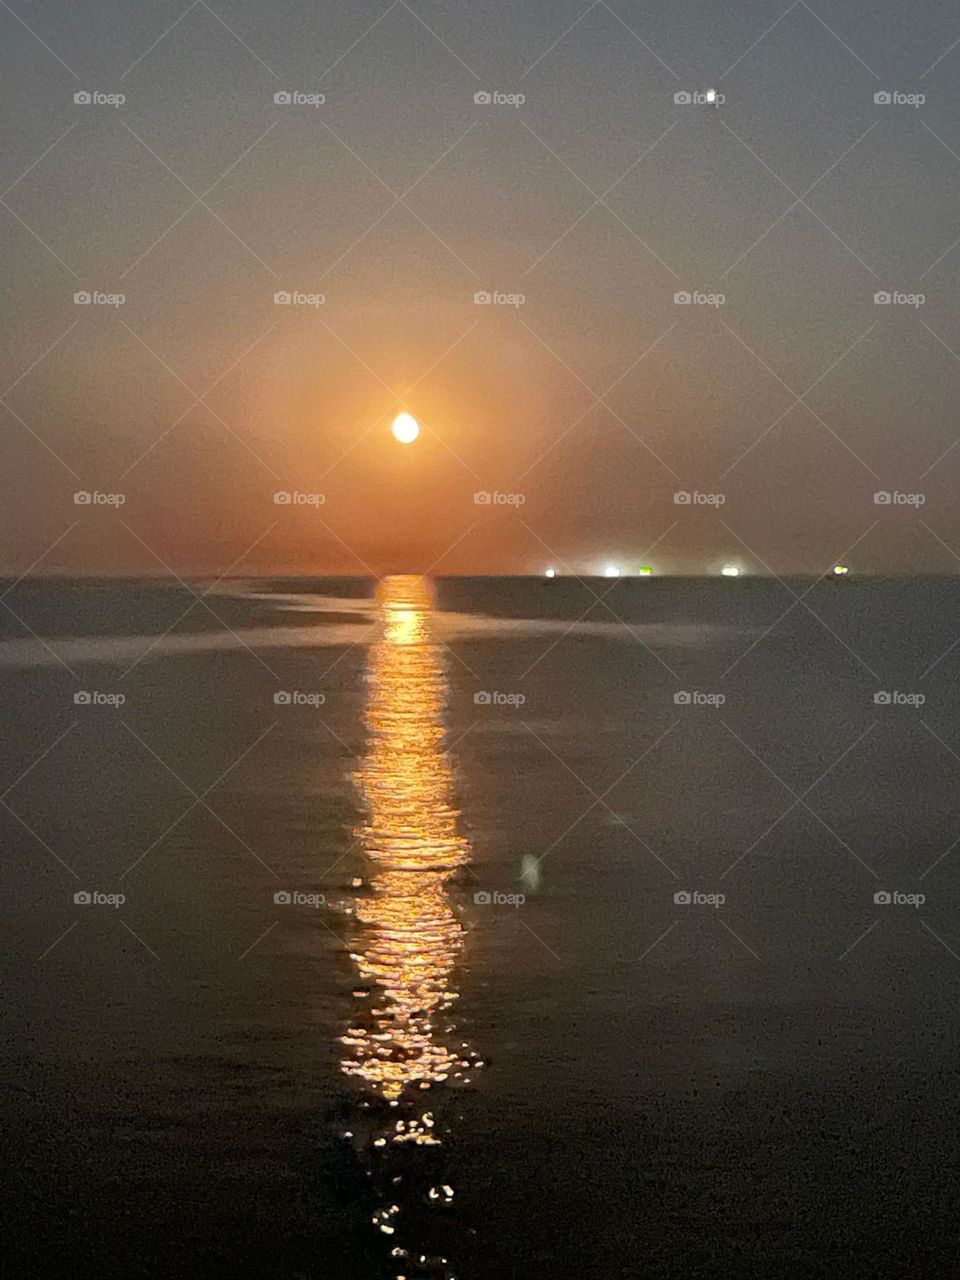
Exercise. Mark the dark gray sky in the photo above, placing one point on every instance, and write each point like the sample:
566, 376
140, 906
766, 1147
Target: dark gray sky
591, 403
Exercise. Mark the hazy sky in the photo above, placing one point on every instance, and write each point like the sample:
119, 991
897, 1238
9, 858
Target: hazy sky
597, 199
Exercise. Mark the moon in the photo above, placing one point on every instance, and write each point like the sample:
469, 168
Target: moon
405, 428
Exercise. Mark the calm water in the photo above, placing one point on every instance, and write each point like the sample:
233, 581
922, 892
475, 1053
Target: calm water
398, 986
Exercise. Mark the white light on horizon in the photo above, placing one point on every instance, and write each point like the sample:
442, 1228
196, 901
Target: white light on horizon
550, 573
731, 571
611, 571
840, 569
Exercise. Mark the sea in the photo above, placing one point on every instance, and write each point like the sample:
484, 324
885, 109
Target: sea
480, 928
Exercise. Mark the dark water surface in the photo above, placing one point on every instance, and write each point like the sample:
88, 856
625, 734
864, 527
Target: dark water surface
595, 1081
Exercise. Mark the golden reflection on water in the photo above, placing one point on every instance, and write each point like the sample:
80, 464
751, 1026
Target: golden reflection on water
410, 935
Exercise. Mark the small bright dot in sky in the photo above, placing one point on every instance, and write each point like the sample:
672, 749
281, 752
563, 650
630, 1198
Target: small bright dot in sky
711, 95
405, 428
611, 571
550, 573
730, 571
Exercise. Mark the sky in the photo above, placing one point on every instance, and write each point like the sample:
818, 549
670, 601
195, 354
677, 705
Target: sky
581, 396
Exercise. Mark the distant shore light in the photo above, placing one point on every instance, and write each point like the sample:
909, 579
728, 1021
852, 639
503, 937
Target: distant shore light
550, 573
611, 571
731, 571
840, 569
646, 571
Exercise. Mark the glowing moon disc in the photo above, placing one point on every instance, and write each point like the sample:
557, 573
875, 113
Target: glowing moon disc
405, 428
